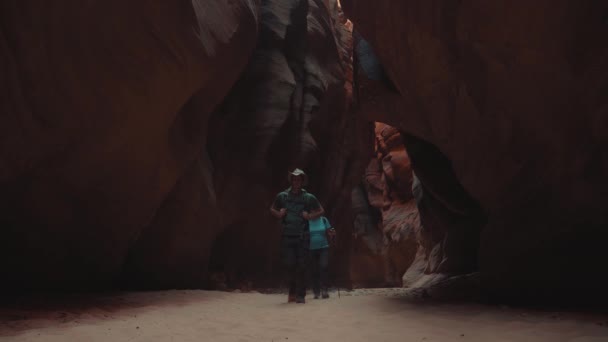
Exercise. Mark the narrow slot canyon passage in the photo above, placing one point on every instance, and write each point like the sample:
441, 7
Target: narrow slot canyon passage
304, 170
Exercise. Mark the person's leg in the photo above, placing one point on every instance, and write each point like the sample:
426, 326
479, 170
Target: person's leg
289, 261
315, 270
324, 271
302, 258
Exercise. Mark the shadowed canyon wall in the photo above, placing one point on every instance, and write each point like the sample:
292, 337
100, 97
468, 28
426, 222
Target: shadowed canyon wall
143, 143
103, 115
291, 108
503, 107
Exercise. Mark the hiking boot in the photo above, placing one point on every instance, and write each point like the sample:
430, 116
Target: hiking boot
317, 295
291, 298
324, 294
300, 300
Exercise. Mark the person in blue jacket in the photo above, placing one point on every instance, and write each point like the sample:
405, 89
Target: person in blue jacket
321, 232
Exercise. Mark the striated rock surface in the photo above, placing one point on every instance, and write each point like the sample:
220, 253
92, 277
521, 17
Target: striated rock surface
387, 224
290, 108
104, 112
142, 144
510, 98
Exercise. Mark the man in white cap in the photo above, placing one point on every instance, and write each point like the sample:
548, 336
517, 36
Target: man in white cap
295, 207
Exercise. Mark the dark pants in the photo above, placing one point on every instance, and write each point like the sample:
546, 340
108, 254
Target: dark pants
319, 263
295, 256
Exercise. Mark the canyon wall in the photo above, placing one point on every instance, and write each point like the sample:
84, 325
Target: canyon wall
503, 107
104, 109
142, 143
387, 224
291, 108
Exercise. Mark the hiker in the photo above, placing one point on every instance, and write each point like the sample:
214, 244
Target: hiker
295, 207
321, 232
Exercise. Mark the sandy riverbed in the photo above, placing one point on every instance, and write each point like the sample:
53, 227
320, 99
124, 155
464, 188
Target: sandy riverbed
362, 315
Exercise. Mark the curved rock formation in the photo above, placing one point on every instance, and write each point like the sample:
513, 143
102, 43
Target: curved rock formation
291, 108
104, 115
142, 144
387, 225
510, 98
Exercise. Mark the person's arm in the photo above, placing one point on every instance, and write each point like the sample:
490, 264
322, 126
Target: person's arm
316, 210
316, 214
278, 213
330, 232
277, 209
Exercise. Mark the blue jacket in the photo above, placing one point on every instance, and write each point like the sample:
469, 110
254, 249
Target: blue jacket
318, 233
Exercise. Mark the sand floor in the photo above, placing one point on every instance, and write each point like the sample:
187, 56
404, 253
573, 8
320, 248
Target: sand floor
362, 315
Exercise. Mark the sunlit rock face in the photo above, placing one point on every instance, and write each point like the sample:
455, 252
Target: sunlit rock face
510, 98
387, 225
404, 235
104, 116
292, 107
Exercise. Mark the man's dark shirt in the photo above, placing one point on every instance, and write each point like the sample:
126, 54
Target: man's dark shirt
293, 223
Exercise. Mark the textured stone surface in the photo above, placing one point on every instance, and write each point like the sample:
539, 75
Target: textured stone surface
511, 96
291, 108
387, 224
143, 143
104, 117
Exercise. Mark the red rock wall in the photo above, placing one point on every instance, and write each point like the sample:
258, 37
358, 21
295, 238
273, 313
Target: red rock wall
387, 224
510, 97
291, 108
143, 143
104, 117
